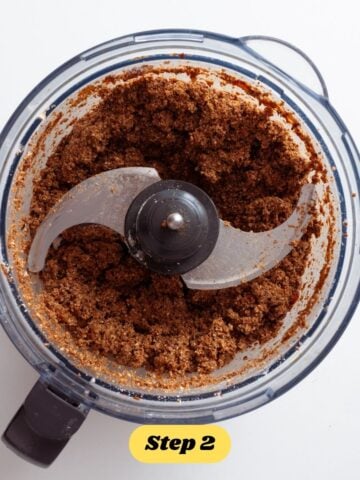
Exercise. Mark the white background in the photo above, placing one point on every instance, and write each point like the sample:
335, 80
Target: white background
313, 431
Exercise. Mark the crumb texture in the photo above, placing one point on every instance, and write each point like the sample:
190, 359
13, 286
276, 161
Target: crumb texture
233, 149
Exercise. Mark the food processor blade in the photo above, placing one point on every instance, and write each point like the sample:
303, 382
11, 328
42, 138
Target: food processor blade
104, 199
237, 256
241, 256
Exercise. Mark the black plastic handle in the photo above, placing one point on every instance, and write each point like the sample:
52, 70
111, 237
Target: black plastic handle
43, 425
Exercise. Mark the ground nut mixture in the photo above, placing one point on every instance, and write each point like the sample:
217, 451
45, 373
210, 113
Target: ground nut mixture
249, 165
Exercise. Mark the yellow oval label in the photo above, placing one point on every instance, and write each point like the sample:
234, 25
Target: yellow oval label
179, 443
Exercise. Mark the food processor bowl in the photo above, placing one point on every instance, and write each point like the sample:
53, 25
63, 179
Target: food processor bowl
330, 291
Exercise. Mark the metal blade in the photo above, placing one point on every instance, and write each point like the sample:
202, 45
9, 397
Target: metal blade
241, 256
103, 199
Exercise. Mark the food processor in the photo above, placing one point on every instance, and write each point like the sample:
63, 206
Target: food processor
125, 200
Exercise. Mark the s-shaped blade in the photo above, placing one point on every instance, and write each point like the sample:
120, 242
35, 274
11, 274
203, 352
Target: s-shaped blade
106, 198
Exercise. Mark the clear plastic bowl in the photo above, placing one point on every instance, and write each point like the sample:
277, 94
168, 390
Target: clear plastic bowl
339, 297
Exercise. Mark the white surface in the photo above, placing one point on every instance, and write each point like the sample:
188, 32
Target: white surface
312, 432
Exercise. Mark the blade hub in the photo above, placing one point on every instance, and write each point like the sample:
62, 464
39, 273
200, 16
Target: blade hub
174, 224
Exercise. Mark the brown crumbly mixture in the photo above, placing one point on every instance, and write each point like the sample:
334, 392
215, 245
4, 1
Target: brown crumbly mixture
250, 166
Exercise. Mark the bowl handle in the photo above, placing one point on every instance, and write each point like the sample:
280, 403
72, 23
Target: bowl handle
43, 425
251, 44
